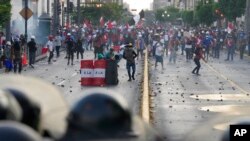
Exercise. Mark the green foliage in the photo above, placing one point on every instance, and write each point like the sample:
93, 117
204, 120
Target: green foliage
232, 8
188, 17
109, 11
167, 14
5, 11
205, 13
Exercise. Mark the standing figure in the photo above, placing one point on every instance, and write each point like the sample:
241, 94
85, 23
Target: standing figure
130, 55
50, 46
17, 56
198, 55
32, 51
70, 48
173, 49
58, 44
230, 47
79, 48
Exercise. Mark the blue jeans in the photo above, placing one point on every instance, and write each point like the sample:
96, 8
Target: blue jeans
32, 57
230, 53
130, 65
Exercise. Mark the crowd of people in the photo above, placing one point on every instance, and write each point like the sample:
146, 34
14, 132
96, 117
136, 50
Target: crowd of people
158, 41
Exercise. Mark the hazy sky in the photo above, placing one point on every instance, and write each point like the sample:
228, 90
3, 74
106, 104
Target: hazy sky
139, 4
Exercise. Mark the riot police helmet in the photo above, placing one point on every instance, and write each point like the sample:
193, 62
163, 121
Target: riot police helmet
14, 131
100, 112
9, 107
31, 110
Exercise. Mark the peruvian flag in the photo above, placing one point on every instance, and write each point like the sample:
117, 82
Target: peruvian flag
101, 21
110, 25
87, 24
140, 24
230, 27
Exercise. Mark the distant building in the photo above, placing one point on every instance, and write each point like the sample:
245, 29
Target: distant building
182, 4
120, 2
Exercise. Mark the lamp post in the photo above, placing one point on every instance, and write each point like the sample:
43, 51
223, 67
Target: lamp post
68, 7
62, 12
78, 12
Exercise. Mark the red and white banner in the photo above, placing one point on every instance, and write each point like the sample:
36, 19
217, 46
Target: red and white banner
87, 72
99, 73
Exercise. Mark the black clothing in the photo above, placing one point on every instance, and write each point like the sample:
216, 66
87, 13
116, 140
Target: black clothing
79, 49
70, 50
32, 46
17, 57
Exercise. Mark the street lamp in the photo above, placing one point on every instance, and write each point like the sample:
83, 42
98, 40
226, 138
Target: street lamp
62, 12
98, 5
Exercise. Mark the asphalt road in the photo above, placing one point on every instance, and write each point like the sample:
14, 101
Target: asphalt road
185, 106
67, 79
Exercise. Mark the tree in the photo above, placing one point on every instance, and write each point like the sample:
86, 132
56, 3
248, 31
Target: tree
188, 17
5, 12
167, 14
204, 13
232, 8
111, 11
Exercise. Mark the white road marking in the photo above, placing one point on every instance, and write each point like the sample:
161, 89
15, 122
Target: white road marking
61, 83
74, 74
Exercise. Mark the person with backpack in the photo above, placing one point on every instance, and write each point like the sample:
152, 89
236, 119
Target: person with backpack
198, 55
130, 55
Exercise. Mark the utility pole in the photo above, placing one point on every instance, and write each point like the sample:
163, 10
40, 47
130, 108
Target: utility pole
63, 13
48, 7
67, 14
26, 20
247, 14
78, 12
55, 15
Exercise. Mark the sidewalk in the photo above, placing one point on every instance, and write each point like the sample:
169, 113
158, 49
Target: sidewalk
38, 58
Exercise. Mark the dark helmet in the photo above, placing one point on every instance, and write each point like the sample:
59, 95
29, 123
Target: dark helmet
9, 107
30, 109
14, 131
54, 108
100, 114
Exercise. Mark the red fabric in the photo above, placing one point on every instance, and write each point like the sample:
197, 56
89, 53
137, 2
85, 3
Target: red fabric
101, 22
110, 25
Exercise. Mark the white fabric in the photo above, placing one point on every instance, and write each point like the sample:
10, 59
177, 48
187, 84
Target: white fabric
188, 46
50, 45
166, 37
159, 50
58, 41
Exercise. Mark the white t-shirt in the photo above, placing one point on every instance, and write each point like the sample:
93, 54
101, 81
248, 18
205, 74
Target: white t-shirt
166, 37
159, 50
50, 45
58, 41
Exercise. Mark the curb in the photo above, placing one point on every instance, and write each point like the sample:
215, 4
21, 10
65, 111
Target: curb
145, 103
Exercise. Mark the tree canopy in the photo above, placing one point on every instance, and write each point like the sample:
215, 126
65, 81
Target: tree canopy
5, 11
111, 11
232, 8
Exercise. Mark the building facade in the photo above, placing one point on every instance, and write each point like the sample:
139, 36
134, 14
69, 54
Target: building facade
120, 2
182, 4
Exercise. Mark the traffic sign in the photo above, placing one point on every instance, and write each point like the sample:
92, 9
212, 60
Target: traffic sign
29, 13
